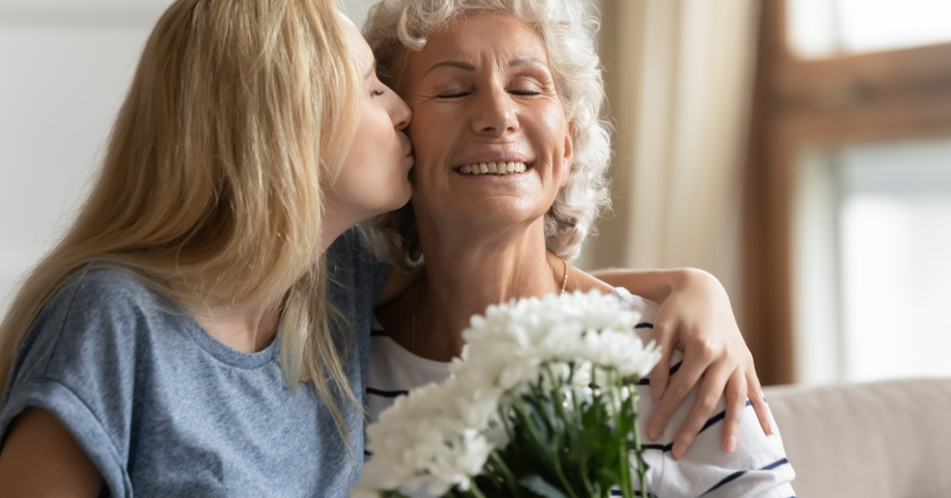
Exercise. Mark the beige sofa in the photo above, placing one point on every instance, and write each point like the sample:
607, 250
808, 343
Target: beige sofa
881, 439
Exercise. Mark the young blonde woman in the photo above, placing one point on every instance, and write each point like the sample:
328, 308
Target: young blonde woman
140, 356
177, 341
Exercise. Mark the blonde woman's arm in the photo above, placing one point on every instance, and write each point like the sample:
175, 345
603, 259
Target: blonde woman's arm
41, 458
696, 317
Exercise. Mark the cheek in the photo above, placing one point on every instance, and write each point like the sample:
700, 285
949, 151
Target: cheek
420, 136
431, 131
378, 142
555, 127
553, 123
374, 128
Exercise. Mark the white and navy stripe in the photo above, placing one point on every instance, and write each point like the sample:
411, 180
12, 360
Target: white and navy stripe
758, 468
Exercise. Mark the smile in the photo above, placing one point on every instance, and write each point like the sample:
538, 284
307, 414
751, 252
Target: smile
492, 168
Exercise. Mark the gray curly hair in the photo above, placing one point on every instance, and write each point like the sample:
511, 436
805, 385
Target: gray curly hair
567, 29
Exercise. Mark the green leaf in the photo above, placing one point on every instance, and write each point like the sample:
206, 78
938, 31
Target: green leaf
541, 487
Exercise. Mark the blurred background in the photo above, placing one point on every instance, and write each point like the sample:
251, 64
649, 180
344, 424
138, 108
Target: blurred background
799, 150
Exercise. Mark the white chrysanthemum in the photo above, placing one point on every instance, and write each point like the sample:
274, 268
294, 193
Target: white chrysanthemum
440, 436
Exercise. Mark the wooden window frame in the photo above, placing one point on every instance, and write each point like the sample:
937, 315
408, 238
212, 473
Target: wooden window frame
899, 94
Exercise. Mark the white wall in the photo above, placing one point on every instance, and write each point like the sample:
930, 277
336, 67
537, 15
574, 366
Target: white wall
64, 69
64, 66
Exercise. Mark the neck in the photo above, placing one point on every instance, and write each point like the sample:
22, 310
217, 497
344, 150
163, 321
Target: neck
248, 331
332, 227
336, 219
465, 274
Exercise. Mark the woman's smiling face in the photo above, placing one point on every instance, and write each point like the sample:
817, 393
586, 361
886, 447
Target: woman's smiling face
489, 132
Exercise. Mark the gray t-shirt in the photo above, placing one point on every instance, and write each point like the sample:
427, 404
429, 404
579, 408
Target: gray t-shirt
164, 409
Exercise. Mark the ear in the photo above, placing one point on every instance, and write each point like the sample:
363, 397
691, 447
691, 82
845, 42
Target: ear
568, 154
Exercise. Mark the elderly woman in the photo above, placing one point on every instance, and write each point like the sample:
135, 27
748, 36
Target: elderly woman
510, 159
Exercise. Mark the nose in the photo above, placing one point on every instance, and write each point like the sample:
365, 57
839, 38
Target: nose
494, 113
400, 113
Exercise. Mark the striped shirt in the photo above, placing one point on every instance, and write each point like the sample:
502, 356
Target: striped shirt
757, 468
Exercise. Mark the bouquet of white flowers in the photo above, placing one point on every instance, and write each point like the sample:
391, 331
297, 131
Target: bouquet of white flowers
542, 403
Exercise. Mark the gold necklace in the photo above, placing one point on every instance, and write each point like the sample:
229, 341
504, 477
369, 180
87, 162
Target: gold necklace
564, 279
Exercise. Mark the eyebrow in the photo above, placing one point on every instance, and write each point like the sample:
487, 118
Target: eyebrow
461, 65
526, 60
469, 67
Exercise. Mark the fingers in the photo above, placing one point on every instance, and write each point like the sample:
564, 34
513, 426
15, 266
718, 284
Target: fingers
692, 367
708, 397
660, 375
758, 401
735, 406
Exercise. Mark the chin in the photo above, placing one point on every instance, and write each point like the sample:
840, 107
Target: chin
398, 203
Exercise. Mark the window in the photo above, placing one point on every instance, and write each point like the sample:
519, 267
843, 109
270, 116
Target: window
848, 192
831, 28
872, 253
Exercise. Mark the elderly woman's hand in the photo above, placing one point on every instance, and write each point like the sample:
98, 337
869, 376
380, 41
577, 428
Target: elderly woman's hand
695, 316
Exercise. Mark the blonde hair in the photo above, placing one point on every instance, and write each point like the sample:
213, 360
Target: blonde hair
210, 189
567, 29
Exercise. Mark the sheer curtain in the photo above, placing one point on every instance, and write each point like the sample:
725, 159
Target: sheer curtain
679, 77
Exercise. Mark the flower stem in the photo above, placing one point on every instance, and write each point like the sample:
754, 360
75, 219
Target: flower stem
510, 480
476, 491
530, 425
638, 450
624, 409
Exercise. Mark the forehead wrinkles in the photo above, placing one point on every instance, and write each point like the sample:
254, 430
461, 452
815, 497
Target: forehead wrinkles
476, 59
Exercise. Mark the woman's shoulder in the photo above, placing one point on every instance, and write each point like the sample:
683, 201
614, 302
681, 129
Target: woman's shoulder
635, 302
100, 278
102, 306
104, 287
88, 333
586, 282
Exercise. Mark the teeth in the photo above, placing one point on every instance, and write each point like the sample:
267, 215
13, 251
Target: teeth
492, 168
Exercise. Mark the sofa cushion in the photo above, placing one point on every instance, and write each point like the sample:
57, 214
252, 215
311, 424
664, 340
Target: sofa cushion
879, 439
